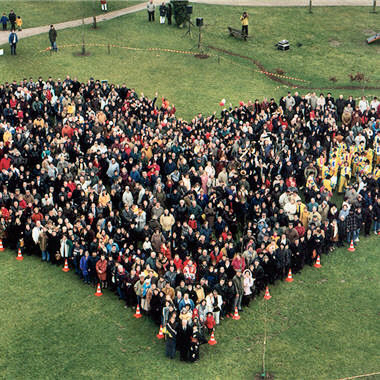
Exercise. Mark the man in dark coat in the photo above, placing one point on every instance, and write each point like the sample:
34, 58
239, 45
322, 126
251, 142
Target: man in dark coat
12, 19
183, 340
53, 38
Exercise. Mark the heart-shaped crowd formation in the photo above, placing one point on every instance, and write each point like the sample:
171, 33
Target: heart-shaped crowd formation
184, 221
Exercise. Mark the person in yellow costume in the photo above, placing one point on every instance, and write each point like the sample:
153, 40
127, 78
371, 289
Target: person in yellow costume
346, 157
325, 171
361, 162
311, 182
302, 213
321, 161
355, 163
334, 170
345, 175
361, 147
369, 155
376, 173
367, 168
327, 184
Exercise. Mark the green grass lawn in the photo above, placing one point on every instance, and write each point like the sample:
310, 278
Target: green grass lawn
44, 12
196, 85
324, 325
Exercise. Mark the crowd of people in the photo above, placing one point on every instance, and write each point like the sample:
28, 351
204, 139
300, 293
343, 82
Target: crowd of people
188, 220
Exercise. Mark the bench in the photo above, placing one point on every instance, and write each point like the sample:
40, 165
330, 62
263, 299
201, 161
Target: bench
373, 38
237, 33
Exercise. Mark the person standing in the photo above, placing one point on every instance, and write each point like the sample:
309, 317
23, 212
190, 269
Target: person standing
19, 23
169, 12
84, 267
53, 38
12, 19
238, 281
183, 340
104, 5
151, 9
101, 270
162, 13
171, 336
4, 21
13, 39
244, 24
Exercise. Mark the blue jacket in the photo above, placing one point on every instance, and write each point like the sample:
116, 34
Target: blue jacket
83, 265
4, 19
11, 38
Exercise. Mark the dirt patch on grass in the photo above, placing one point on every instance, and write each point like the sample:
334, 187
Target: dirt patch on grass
369, 32
334, 43
201, 56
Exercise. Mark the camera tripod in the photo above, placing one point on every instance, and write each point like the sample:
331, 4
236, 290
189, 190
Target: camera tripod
188, 32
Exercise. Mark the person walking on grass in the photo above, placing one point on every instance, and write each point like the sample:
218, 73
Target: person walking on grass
13, 40
53, 38
4, 21
151, 8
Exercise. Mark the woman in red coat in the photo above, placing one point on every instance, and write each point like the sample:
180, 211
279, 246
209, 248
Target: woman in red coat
101, 270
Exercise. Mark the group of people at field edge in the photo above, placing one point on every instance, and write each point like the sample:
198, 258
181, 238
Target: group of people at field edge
165, 11
188, 220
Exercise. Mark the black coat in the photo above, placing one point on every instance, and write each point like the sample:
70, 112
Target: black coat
183, 337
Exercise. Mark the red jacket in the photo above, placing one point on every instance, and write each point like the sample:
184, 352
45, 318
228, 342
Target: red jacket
178, 263
210, 322
217, 258
5, 163
238, 263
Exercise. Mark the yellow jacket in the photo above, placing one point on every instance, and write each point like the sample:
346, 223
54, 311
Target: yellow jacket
244, 20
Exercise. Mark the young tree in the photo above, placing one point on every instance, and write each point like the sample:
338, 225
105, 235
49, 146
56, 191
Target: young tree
179, 11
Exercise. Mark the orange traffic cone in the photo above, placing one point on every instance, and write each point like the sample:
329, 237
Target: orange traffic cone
212, 341
19, 257
98, 291
290, 277
1, 246
137, 314
160, 334
352, 247
267, 295
236, 315
66, 267
318, 263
